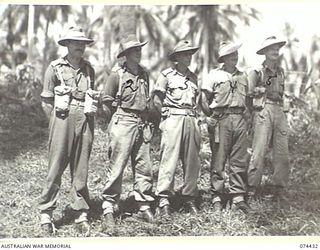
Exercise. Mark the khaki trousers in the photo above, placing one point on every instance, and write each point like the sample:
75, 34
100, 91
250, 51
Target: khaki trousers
70, 142
180, 139
128, 140
232, 146
270, 129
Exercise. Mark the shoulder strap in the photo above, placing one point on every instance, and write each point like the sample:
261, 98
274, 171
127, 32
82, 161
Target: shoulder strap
60, 75
145, 77
282, 74
120, 71
56, 67
88, 76
260, 76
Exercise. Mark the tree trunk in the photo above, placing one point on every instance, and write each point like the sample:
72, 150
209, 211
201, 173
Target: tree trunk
128, 22
30, 32
45, 49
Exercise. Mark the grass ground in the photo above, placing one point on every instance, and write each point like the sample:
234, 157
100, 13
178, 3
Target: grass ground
23, 145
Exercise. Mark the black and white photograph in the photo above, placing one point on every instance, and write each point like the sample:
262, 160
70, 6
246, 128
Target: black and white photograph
149, 120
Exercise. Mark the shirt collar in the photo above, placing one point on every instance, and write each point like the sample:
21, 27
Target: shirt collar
140, 69
188, 72
66, 62
236, 72
278, 69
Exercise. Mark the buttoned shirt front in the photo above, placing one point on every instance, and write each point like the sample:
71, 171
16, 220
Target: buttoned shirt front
180, 90
79, 79
228, 90
271, 80
127, 90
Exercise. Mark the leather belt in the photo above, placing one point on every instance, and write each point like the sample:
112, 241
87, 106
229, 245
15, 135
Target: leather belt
279, 103
228, 110
129, 112
166, 111
78, 103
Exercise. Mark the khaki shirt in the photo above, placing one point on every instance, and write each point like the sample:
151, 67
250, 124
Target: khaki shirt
271, 80
77, 79
180, 90
228, 90
127, 90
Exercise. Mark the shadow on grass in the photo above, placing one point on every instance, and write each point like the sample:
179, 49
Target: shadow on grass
22, 128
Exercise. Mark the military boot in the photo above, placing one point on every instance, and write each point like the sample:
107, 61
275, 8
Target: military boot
217, 207
83, 228
165, 211
280, 196
46, 229
108, 224
81, 223
146, 215
241, 206
191, 207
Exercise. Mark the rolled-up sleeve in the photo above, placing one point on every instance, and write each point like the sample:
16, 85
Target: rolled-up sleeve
92, 77
209, 84
111, 88
161, 84
252, 82
50, 81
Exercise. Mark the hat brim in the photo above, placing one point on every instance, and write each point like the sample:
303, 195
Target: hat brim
234, 49
263, 49
63, 42
192, 50
123, 53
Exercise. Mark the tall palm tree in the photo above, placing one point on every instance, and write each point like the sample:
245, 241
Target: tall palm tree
208, 26
14, 21
50, 14
205, 25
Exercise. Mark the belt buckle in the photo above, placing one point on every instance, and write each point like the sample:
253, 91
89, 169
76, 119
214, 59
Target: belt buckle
78, 103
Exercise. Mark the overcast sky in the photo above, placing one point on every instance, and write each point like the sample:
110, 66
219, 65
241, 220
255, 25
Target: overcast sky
303, 17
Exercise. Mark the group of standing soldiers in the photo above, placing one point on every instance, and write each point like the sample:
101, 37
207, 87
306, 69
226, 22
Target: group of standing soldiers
229, 98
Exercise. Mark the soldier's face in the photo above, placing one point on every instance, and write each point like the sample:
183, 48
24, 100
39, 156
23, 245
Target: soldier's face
76, 48
184, 58
134, 54
231, 59
272, 52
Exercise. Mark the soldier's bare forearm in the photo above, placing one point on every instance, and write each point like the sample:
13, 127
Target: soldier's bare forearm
47, 108
205, 104
108, 110
158, 101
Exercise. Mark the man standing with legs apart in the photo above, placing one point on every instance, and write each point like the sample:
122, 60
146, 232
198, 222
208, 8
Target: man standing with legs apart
175, 96
266, 90
126, 92
68, 88
224, 100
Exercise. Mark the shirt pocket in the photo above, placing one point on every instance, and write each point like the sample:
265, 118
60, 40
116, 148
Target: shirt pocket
177, 88
221, 92
129, 89
68, 78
